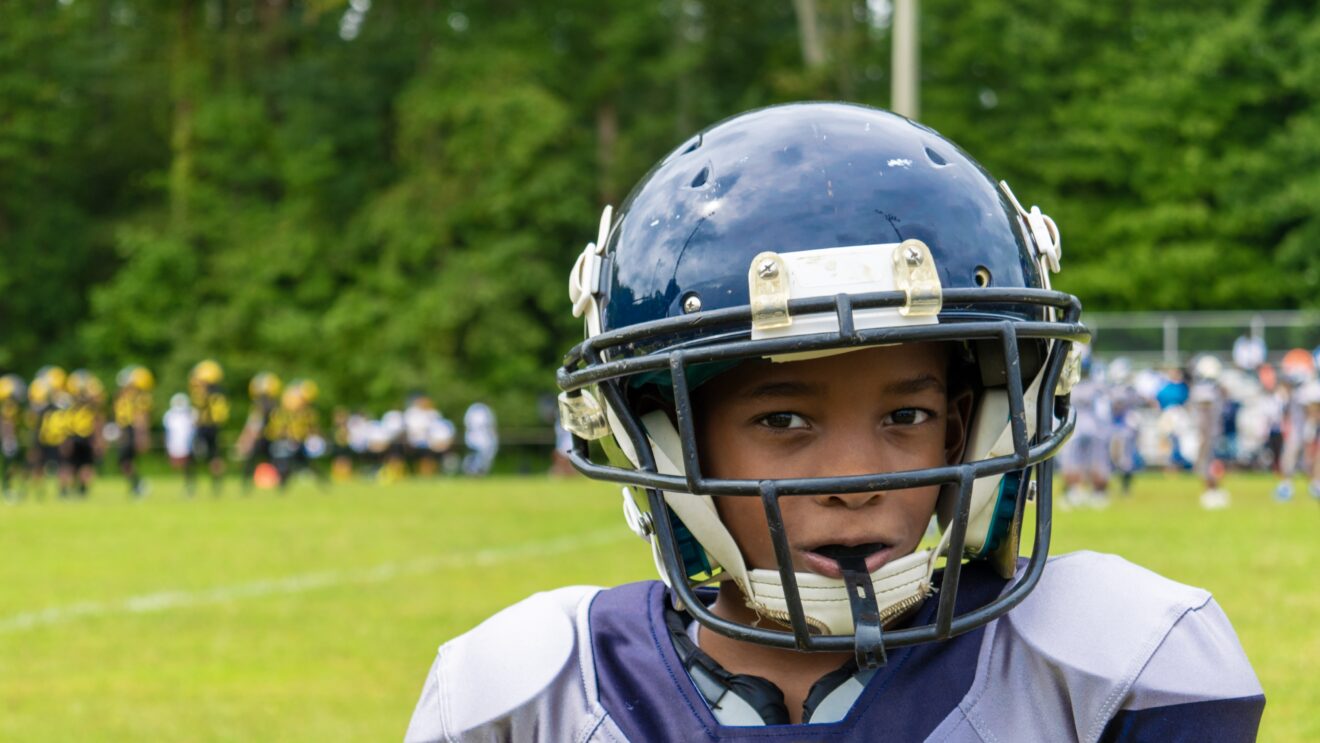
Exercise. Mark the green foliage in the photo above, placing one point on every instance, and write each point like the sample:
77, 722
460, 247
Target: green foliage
391, 200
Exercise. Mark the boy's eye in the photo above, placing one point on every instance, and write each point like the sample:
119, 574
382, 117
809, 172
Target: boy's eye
907, 417
783, 420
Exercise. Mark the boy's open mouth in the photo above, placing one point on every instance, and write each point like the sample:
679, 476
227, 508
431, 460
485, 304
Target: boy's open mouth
824, 559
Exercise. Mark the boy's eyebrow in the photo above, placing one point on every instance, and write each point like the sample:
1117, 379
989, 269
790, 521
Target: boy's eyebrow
780, 389
914, 385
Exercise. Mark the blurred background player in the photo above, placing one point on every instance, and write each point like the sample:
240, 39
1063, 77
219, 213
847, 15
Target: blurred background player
13, 394
212, 407
47, 426
481, 439
341, 448
1085, 458
253, 443
1206, 399
294, 432
387, 444
132, 409
1296, 370
83, 445
1309, 396
180, 423
440, 439
418, 416
1125, 404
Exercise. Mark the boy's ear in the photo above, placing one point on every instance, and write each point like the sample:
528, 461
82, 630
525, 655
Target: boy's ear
955, 430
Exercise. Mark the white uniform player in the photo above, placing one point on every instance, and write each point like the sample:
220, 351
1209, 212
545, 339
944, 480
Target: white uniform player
180, 423
1085, 459
481, 439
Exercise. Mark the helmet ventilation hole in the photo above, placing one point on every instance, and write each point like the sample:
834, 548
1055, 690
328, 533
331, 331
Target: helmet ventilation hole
982, 276
700, 179
936, 157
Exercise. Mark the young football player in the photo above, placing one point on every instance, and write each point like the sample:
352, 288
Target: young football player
812, 329
47, 402
83, 446
13, 393
293, 428
132, 409
253, 443
180, 423
481, 438
212, 407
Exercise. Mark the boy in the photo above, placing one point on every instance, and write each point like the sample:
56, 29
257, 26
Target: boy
180, 423
13, 392
253, 444
212, 407
814, 328
132, 409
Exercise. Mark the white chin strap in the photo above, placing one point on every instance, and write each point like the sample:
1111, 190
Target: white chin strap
899, 584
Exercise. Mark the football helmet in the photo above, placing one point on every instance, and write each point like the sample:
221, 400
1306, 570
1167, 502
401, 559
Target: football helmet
84, 385
265, 384
207, 372
308, 388
13, 388
797, 231
54, 376
136, 376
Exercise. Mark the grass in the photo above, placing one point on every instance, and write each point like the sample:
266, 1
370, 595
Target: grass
314, 616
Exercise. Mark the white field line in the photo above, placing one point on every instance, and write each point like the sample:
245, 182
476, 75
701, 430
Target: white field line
166, 600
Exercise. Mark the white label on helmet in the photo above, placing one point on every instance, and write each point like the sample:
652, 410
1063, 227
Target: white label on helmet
828, 272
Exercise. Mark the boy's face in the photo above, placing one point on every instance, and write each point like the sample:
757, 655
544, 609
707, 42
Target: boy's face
884, 409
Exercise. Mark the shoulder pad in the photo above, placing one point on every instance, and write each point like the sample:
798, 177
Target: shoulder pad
1091, 610
508, 660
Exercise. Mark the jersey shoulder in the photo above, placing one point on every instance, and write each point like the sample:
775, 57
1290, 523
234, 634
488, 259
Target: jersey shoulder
1101, 644
518, 675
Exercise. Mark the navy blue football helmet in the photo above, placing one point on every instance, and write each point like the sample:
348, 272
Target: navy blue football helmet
806, 229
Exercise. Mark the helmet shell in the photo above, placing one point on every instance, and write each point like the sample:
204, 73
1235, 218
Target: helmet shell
207, 371
804, 177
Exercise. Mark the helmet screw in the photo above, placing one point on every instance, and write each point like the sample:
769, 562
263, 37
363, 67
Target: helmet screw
768, 269
912, 255
691, 303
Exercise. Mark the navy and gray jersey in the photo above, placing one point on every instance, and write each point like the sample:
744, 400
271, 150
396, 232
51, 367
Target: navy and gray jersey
1101, 650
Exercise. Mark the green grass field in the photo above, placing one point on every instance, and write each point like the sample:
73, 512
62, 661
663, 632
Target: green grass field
314, 616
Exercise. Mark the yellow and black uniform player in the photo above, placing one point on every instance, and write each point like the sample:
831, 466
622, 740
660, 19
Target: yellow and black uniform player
264, 391
133, 417
47, 405
341, 450
292, 427
13, 394
212, 407
83, 422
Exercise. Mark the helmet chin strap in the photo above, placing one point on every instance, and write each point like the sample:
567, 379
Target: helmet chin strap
830, 604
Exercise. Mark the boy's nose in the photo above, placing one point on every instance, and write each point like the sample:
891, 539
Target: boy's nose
852, 456
851, 501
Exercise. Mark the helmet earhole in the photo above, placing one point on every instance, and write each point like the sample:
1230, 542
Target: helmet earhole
982, 276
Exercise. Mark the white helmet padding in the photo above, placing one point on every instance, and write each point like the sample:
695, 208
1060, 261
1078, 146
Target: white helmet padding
991, 435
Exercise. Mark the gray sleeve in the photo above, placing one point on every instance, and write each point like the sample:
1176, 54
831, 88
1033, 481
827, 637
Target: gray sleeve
1197, 686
